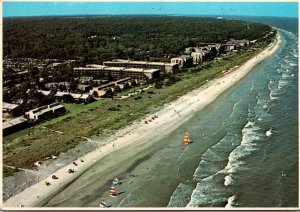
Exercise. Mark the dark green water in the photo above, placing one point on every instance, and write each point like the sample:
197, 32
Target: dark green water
255, 162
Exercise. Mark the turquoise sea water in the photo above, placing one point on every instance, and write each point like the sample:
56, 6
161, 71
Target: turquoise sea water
244, 151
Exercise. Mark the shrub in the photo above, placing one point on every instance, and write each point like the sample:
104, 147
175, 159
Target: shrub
113, 109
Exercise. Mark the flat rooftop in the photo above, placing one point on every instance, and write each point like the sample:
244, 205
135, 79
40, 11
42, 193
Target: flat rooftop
89, 68
138, 62
9, 106
156, 63
13, 122
119, 60
134, 69
94, 66
151, 70
114, 68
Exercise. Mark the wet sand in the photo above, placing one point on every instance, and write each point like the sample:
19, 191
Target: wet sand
129, 141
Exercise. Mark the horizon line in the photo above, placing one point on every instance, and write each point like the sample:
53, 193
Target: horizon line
146, 14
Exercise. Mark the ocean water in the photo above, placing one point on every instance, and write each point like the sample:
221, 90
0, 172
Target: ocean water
244, 151
255, 162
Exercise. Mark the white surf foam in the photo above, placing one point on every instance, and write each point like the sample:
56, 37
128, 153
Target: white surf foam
180, 196
269, 132
230, 202
228, 180
207, 194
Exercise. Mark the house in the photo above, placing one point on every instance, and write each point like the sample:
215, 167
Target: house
10, 108
58, 85
184, 61
84, 88
39, 114
45, 112
123, 83
86, 98
113, 87
197, 57
51, 85
67, 97
177, 60
171, 68
243, 43
49, 96
151, 73
229, 47
57, 109
102, 90
85, 80
14, 125
236, 44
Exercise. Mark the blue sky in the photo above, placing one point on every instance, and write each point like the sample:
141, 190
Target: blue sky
280, 9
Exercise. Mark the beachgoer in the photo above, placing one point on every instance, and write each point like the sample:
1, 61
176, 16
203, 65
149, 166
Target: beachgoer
81, 160
115, 181
74, 163
54, 177
47, 183
71, 171
103, 204
112, 191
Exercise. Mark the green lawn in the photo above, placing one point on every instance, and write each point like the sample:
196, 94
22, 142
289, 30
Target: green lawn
104, 116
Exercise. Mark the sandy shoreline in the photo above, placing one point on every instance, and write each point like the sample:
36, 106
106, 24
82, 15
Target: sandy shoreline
170, 117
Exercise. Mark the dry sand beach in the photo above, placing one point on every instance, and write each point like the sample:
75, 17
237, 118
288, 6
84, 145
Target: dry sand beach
139, 133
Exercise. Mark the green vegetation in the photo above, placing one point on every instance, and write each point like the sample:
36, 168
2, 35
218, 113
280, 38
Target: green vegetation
9, 171
96, 39
24, 148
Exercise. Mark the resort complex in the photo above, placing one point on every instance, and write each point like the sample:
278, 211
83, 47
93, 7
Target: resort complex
149, 110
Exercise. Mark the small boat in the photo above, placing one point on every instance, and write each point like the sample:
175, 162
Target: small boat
186, 139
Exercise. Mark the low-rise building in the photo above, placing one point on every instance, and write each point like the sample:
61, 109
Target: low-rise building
100, 72
236, 44
103, 90
197, 57
163, 67
14, 125
85, 80
10, 108
84, 88
184, 61
229, 47
177, 60
57, 85
113, 87
45, 112
68, 97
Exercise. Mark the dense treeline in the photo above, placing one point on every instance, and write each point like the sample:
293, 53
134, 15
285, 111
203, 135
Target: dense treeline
99, 38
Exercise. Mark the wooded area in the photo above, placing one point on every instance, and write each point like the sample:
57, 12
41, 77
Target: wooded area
94, 39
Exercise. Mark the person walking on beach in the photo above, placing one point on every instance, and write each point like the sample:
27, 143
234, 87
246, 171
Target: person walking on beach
103, 204
47, 183
71, 171
112, 191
